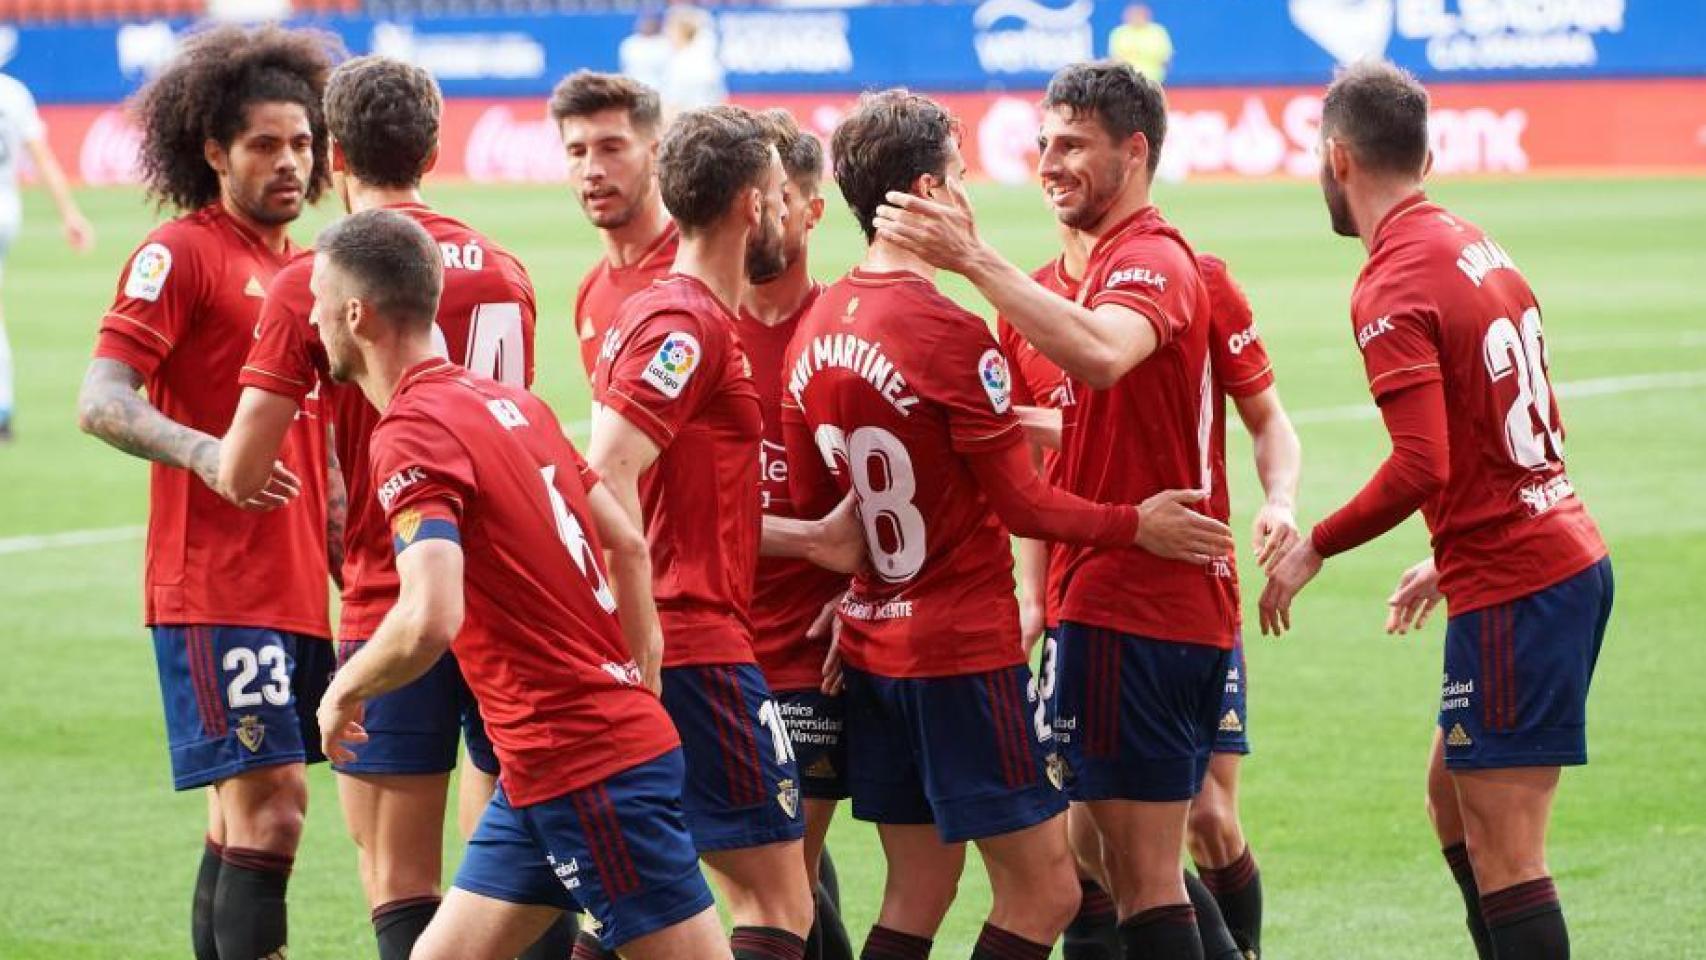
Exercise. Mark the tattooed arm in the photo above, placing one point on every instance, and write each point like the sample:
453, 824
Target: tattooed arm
337, 510
110, 408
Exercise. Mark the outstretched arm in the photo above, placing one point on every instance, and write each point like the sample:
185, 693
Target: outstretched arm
248, 455
110, 408
1279, 461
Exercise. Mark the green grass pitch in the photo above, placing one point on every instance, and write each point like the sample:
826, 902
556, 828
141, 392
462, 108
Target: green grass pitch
98, 854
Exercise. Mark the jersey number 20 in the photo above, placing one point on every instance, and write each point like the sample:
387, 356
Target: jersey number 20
1530, 434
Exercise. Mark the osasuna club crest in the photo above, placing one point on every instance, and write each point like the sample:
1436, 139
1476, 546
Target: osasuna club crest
250, 732
788, 797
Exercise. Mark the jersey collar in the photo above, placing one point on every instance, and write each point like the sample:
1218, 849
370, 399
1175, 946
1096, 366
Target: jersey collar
426, 368
1403, 207
1131, 224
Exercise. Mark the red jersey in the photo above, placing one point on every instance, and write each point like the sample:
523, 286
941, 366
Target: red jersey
606, 286
789, 593
183, 317
1147, 433
896, 382
485, 322
1441, 301
1039, 382
541, 648
673, 367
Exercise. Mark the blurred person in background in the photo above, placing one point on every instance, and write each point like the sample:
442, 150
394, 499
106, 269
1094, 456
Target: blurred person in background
644, 54
694, 77
21, 129
1143, 43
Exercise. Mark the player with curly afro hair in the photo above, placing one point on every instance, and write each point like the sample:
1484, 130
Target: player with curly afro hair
234, 139
199, 116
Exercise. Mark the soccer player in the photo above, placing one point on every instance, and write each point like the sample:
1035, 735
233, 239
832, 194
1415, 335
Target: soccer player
383, 117
610, 126
677, 404
232, 136
794, 600
21, 129
493, 513
1243, 372
1145, 640
1441, 310
907, 399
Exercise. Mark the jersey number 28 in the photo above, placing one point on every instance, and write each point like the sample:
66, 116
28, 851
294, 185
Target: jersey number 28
880, 471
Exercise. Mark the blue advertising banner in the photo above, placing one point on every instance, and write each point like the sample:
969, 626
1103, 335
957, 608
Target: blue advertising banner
964, 46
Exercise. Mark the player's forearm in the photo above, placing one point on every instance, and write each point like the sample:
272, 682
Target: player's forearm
53, 177
1033, 509
1416, 470
636, 608
110, 408
1033, 571
402, 650
1279, 461
1085, 345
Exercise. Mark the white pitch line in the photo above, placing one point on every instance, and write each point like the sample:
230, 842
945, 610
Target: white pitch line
1599, 387
70, 538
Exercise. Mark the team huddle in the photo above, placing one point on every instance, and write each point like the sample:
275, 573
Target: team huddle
782, 575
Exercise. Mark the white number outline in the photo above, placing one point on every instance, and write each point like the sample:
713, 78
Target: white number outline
497, 343
1509, 352
891, 505
574, 538
248, 664
770, 718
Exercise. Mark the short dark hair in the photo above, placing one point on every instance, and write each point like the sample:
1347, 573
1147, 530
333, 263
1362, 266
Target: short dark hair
204, 94
384, 113
395, 265
584, 93
801, 150
1380, 111
708, 156
1121, 99
889, 140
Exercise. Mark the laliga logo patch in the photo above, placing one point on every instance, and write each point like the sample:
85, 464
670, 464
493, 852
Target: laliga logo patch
675, 362
992, 371
148, 272
788, 798
250, 732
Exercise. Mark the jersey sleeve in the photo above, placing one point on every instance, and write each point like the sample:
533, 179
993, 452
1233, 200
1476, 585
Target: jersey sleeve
21, 104
664, 372
1010, 341
281, 360
1396, 334
155, 305
1237, 356
420, 471
1149, 274
974, 384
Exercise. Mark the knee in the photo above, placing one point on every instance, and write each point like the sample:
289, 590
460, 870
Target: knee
922, 900
272, 820
1209, 822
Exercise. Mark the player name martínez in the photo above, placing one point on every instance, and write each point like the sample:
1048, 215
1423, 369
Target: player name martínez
864, 358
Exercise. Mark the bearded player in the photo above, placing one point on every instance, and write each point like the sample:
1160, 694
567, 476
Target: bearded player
500, 531
610, 126
906, 398
1441, 310
1145, 641
1228, 897
232, 136
793, 601
677, 437
383, 116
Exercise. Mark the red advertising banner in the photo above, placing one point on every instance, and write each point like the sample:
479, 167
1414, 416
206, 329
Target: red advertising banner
1629, 127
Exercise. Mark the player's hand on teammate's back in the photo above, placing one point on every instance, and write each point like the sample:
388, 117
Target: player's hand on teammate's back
1168, 527
939, 229
1275, 531
340, 726
1295, 569
1414, 598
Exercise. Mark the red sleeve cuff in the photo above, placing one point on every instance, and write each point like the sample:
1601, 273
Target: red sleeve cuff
1140, 304
639, 415
1384, 385
263, 379
1250, 386
144, 356
1008, 434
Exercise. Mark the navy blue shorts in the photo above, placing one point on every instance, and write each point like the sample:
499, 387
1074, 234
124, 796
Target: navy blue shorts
972, 754
1136, 717
1517, 674
416, 728
743, 788
238, 699
619, 850
1233, 733
815, 723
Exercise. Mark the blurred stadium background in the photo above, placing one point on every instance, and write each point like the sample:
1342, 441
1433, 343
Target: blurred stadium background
1574, 130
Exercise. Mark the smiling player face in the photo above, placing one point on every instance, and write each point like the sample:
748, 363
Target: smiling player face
1081, 167
612, 166
264, 173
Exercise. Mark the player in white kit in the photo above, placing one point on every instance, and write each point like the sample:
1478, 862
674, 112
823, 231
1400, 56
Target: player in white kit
21, 129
